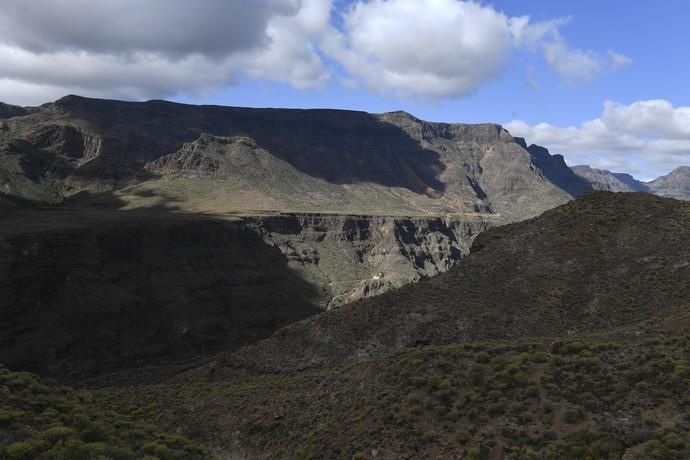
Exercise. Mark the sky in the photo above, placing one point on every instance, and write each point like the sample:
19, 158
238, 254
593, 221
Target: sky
602, 83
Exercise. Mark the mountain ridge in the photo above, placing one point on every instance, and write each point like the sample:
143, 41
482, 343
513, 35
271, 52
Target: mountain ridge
78, 143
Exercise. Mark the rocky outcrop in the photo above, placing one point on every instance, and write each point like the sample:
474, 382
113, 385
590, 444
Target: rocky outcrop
601, 261
555, 169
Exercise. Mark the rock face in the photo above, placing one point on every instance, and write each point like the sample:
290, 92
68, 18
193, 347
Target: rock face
353, 257
419, 191
676, 184
602, 179
330, 206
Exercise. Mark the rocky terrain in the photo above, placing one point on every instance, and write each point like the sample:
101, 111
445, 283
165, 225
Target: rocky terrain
329, 205
279, 283
601, 261
557, 171
565, 336
109, 293
162, 287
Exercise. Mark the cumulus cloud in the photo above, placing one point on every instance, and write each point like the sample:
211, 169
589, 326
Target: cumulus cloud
571, 64
292, 55
158, 48
172, 27
131, 49
645, 138
432, 48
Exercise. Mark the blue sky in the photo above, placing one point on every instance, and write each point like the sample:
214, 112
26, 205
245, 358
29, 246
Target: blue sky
602, 83
655, 38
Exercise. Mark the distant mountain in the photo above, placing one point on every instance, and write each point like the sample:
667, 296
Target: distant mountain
675, 184
602, 179
220, 159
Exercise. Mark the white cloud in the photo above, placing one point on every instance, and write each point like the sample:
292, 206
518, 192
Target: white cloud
161, 48
530, 35
430, 48
646, 138
158, 48
140, 75
292, 55
653, 118
619, 60
572, 65
169, 27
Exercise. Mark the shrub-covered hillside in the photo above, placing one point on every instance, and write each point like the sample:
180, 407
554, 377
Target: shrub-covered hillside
41, 420
588, 397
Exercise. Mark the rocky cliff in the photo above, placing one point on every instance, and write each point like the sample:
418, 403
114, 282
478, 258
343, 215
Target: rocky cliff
307, 209
353, 257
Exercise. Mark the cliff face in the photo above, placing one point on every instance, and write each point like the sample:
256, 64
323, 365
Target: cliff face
352, 257
330, 206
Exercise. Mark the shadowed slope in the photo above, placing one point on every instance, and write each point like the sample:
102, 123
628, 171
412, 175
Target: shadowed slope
600, 261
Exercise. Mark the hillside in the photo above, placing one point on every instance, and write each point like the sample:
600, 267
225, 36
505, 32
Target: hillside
601, 261
356, 204
563, 337
577, 398
40, 420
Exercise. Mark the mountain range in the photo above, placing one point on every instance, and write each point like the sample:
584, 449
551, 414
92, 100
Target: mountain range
674, 184
284, 283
